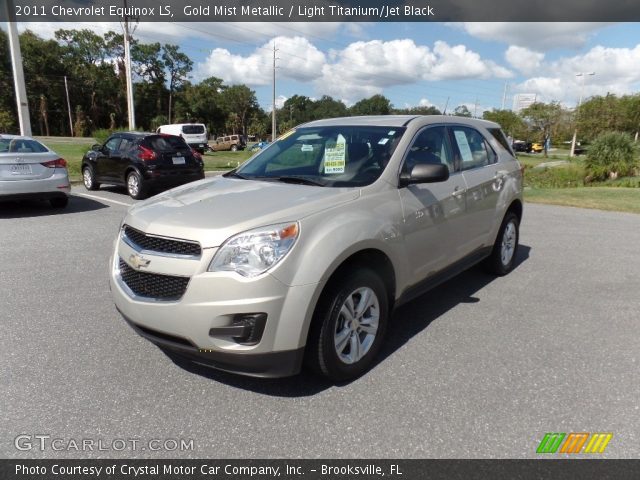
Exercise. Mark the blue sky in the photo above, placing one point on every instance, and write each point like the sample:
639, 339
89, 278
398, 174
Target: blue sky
410, 63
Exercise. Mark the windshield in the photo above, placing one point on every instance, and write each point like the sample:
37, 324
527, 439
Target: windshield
336, 156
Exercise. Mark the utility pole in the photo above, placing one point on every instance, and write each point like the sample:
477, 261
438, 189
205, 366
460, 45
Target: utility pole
273, 111
504, 94
18, 73
475, 109
127, 62
575, 130
66, 88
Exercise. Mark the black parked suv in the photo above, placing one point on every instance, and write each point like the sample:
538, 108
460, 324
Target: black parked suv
141, 162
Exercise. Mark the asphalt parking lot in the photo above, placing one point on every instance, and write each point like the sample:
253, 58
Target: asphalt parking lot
478, 368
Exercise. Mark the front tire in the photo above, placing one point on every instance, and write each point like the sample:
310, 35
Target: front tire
234, 148
502, 258
135, 186
348, 326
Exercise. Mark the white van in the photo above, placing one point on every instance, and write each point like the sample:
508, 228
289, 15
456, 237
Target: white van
195, 134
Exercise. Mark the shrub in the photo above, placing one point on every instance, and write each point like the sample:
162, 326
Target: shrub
157, 121
102, 134
7, 125
562, 176
611, 155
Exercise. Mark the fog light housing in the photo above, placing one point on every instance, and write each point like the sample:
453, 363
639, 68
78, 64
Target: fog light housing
245, 328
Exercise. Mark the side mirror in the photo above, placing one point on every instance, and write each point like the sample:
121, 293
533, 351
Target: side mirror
96, 148
425, 173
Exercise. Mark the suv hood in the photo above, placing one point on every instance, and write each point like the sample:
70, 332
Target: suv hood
210, 211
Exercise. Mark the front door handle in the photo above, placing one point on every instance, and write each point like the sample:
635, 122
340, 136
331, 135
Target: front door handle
458, 192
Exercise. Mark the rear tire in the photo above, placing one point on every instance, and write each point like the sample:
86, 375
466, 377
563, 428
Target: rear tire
234, 148
89, 178
135, 186
349, 324
59, 202
502, 258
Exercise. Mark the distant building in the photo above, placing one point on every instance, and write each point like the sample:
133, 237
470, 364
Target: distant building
523, 100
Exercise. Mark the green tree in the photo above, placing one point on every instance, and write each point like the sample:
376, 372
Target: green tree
419, 110
178, 66
328, 107
7, 124
44, 78
149, 66
7, 99
296, 109
511, 122
461, 111
543, 118
240, 102
375, 105
94, 85
203, 103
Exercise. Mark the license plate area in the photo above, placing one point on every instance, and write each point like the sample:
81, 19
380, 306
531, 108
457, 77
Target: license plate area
20, 170
178, 160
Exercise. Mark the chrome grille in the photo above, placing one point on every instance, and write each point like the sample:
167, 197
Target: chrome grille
153, 285
161, 244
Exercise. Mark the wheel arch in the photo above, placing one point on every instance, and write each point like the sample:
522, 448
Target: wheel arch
516, 207
371, 258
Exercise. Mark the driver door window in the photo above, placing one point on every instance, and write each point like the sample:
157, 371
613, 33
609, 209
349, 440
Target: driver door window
431, 147
112, 144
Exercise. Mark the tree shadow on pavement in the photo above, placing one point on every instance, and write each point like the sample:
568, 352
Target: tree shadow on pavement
407, 321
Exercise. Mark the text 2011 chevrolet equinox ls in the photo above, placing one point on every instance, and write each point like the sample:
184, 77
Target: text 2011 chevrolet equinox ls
299, 255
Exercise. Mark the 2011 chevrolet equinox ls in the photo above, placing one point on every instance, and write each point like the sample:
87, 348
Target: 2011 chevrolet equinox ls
299, 255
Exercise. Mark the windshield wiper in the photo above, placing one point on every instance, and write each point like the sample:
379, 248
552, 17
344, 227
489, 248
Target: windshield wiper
235, 174
299, 179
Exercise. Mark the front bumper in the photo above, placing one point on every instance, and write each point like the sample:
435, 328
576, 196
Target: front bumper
267, 365
211, 301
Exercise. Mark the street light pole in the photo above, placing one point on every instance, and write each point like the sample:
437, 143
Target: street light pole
273, 111
18, 73
575, 130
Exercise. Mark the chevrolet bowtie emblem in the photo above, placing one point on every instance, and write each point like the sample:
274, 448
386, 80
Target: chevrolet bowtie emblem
138, 262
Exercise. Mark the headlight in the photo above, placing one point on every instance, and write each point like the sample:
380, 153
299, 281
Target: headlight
255, 251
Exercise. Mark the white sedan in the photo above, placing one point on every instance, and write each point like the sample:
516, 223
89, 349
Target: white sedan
30, 170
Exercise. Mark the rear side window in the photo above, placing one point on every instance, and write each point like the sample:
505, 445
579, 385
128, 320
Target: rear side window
125, 145
165, 143
474, 150
498, 134
193, 129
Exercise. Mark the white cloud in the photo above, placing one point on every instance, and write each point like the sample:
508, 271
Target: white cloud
616, 71
524, 60
458, 62
299, 60
360, 70
365, 68
537, 35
